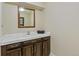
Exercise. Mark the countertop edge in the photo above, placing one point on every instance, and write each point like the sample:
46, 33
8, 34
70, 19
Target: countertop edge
24, 39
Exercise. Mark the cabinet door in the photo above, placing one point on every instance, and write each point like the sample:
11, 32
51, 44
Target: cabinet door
28, 50
46, 48
14, 52
38, 49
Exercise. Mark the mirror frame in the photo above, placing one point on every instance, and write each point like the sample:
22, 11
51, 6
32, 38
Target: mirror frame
19, 18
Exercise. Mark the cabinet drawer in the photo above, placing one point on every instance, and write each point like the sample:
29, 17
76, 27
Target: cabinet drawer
14, 52
46, 38
31, 41
36, 40
26, 42
15, 45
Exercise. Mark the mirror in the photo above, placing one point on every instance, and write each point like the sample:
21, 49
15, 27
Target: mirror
26, 18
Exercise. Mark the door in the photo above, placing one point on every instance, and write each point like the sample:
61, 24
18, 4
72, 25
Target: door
38, 49
28, 50
46, 47
14, 52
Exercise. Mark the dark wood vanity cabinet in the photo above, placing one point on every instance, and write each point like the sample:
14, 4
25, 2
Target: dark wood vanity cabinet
46, 48
38, 49
27, 50
35, 47
14, 52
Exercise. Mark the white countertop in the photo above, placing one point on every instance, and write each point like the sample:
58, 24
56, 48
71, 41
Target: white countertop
19, 37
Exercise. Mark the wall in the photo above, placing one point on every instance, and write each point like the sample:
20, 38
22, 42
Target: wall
0, 23
0, 17
62, 20
10, 20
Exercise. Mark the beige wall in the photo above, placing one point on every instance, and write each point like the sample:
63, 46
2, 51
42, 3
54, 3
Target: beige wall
63, 20
10, 20
0, 51
0, 23
0, 17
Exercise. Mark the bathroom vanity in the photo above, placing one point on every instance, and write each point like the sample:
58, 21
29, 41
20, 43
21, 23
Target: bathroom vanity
22, 44
29, 45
